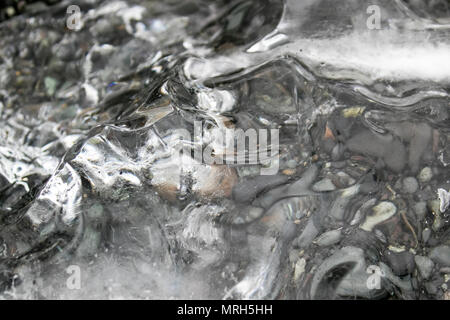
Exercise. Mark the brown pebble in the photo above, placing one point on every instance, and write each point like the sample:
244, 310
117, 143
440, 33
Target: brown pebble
447, 295
328, 133
218, 183
289, 172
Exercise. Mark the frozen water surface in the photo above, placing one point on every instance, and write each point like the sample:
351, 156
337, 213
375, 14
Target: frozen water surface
95, 179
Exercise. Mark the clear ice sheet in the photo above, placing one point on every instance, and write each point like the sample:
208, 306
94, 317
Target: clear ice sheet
89, 132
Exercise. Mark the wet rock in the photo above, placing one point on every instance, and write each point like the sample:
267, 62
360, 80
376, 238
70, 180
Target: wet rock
447, 295
410, 185
420, 209
359, 214
344, 196
65, 52
243, 215
344, 274
307, 236
10, 11
418, 135
424, 265
419, 143
337, 152
294, 254
266, 94
324, 185
172, 183
426, 233
299, 268
55, 67
380, 235
248, 190
301, 186
441, 255
431, 287
425, 175
329, 238
24, 51
401, 263
50, 85
292, 164
381, 212
344, 179
438, 223
403, 283
216, 182
390, 149
72, 70
369, 184
347, 256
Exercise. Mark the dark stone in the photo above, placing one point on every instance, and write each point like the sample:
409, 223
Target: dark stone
401, 263
388, 148
441, 255
248, 190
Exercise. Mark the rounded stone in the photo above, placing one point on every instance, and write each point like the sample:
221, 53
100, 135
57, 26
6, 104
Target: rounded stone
424, 265
324, 185
420, 208
329, 238
425, 175
410, 185
441, 255
401, 263
426, 234
381, 212
292, 164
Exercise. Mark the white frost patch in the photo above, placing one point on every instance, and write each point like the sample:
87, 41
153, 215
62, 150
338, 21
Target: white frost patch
444, 198
386, 55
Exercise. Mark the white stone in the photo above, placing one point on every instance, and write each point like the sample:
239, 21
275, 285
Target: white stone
328, 238
381, 212
299, 268
324, 185
444, 198
425, 175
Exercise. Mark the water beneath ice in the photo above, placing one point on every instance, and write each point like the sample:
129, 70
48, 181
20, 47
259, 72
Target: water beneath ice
92, 121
